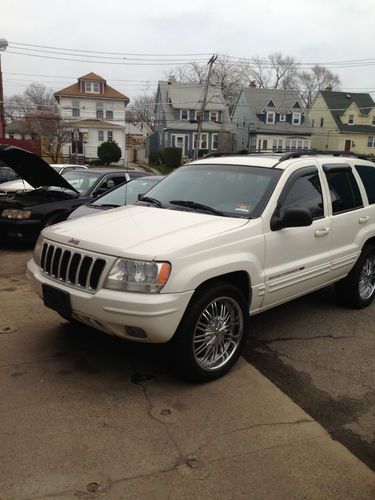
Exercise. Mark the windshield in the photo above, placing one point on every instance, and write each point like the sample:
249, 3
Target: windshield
81, 180
127, 193
57, 169
234, 190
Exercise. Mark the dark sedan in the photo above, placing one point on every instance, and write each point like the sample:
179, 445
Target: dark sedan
23, 215
126, 194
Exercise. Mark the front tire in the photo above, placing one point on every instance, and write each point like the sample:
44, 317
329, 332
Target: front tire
212, 333
358, 288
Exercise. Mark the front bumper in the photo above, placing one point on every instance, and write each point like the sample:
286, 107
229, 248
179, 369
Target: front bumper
21, 229
122, 313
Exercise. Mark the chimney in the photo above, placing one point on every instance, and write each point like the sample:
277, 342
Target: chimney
253, 84
329, 88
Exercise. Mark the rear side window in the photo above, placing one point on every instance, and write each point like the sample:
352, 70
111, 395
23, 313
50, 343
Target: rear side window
345, 194
367, 175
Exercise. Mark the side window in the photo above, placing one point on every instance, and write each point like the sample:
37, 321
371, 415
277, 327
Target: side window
367, 175
303, 191
343, 189
118, 179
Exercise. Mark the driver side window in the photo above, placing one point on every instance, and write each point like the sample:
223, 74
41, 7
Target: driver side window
303, 190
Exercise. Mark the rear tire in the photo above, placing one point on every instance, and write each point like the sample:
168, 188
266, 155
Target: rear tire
212, 333
357, 290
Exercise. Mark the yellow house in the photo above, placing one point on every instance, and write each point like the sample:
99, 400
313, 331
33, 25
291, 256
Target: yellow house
343, 121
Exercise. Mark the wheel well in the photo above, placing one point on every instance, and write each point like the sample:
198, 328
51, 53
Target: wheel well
239, 279
370, 241
55, 215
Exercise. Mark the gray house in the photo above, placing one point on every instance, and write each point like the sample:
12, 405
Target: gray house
178, 107
270, 120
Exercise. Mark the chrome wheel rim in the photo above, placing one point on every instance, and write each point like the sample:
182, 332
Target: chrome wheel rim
217, 333
367, 278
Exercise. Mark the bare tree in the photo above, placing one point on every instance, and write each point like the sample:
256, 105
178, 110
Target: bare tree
142, 109
275, 72
318, 78
36, 97
51, 129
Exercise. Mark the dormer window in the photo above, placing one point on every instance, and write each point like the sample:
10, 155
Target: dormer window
373, 120
92, 87
282, 117
351, 120
296, 118
184, 114
270, 117
213, 116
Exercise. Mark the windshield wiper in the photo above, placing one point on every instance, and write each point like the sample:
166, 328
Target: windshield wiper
105, 205
197, 206
153, 201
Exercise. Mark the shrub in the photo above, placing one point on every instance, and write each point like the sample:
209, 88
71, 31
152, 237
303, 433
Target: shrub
172, 157
155, 157
109, 152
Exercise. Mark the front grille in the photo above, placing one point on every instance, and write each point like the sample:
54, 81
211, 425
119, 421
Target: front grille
73, 268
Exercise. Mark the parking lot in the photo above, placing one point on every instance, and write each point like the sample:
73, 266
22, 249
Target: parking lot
87, 415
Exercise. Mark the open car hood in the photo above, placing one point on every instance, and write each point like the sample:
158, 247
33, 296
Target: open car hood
32, 168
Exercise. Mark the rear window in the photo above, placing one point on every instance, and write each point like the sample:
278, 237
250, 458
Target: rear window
367, 175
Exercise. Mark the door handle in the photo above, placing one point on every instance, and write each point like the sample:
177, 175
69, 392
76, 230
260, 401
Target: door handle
363, 220
321, 232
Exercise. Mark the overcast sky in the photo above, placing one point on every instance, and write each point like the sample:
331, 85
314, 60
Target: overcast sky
322, 31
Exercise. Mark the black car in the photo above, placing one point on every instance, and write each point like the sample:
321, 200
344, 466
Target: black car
126, 194
23, 215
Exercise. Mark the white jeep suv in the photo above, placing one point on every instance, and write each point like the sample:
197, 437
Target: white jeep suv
218, 239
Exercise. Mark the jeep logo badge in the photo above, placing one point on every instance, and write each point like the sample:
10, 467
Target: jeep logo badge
73, 241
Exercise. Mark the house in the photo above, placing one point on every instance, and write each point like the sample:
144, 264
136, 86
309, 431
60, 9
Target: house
270, 120
143, 128
177, 110
97, 114
17, 134
135, 143
343, 121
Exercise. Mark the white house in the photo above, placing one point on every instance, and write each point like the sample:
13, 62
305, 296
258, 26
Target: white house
97, 112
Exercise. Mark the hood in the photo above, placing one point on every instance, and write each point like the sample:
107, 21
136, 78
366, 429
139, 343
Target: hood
31, 168
140, 232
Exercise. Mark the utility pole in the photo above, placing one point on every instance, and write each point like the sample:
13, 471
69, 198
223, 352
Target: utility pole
204, 101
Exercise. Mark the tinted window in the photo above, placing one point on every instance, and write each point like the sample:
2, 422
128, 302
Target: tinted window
304, 192
344, 191
367, 175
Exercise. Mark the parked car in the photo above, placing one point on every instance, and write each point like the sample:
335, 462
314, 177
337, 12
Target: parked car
54, 196
125, 194
215, 241
21, 186
7, 174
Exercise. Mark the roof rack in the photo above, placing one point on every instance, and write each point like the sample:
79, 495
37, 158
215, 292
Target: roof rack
243, 152
314, 152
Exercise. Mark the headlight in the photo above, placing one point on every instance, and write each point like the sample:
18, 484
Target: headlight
138, 276
12, 213
38, 250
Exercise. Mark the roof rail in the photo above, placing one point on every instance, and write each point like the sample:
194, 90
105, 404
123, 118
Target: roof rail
314, 152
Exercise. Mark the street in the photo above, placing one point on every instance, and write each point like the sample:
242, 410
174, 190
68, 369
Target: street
87, 415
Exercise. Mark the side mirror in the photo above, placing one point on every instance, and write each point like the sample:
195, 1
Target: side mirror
293, 217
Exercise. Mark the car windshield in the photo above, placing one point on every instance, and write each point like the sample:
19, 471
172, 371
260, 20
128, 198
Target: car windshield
57, 169
81, 180
231, 190
126, 193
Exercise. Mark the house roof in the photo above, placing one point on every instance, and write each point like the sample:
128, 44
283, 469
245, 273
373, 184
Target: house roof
132, 129
187, 95
94, 123
281, 101
74, 90
339, 102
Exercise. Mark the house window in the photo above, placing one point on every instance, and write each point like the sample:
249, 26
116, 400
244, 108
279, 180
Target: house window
244, 122
282, 117
280, 144
274, 145
109, 114
75, 108
237, 122
203, 143
99, 110
296, 119
270, 117
371, 141
198, 116
109, 136
101, 135
322, 122
242, 142
213, 116
215, 138
92, 87
351, 120
373, 120
293, 144
312, 123
287, 144
184, 114
299, 144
